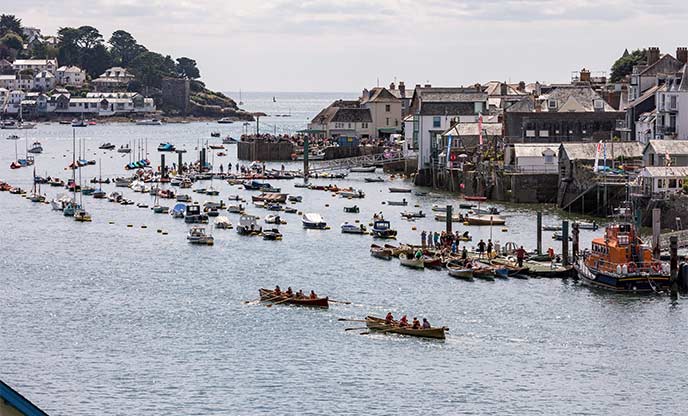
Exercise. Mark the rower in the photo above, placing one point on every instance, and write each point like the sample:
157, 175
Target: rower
300, 294
426, 324
313, 295
289, 292
416, 323
403, 321
389, 319
277, 291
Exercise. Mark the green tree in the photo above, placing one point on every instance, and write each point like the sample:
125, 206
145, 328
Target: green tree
186, 68
69, 52
88, 37
12, 41
10, 23
150, 67
624, 65
124, 48
96, 60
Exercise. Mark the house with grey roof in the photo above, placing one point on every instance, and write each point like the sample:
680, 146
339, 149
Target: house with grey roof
531, 158
562, 114
666, 153
386, 109
343, 118
672, 107
433, 111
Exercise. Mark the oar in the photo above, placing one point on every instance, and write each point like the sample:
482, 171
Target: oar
351, 320
352, 329
381, 331
340, 301
250, 301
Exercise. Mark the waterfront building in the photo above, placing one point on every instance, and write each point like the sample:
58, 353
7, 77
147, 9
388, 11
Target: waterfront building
672, 107
665, 153
113, 79
8, 81
35, 65
434, 110
645, 127
343, 118
386, 109
25, 82
654, 180
565, 113
531, 158
465, 136
501, 95
71, 76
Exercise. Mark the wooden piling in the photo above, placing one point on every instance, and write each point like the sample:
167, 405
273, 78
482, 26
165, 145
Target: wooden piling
673, 279
163, 169
565, 243
305, 159
656, 229
539, 232
575, 234
449, 219
180, 169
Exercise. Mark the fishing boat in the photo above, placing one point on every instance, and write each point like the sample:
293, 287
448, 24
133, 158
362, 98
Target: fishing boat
484, 220
412, 214
439, 208
363, 169
225, 120
106, 146
558, 237
475, 198
236, 209
620, 262
183, 198
295, 198
400, 190
401, 203
255, 185
272, 234
79, 123
197, 235
373, 180
382, 229
166, 147
410, 261
223, 223
378, 324
267, 295
274, 219
352, 210
454, 218
149, 122
124, 149
248, 225
193, 215
587, 225
313, 221
353, 228
455, 269
229, 140
352, 194
36, 148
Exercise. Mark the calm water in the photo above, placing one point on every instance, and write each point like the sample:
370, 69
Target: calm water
102, 319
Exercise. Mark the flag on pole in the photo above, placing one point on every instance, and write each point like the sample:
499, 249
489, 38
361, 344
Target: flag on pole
449, 145
667, 159
597, 156
605, 156
480, 128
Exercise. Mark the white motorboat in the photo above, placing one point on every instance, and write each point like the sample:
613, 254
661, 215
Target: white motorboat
150, 122
353, 229
313, 221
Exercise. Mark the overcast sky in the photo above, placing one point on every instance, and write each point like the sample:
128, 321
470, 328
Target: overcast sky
345, 45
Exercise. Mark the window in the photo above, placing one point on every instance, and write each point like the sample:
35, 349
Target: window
549, 159
436, 122
364, 125
552, 104
672, 183
349, 125
388, 108
387, 121
396, 122
599, 104
672, 102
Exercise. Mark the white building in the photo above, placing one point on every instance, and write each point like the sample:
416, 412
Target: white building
14, 101
8, 82
71, 76
44, 81
532, 158
35, 65
672, 107
662, 179
435, 110
645, 127
113, 79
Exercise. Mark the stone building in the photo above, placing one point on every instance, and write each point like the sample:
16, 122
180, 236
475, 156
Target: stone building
175, 93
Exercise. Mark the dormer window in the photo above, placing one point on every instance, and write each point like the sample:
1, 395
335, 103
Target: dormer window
598, 104
552, 104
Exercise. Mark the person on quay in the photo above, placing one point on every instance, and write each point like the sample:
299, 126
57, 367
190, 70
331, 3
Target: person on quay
481, 249
423, 234
416, 323
520, 255
426, 324
464, 253
489, 248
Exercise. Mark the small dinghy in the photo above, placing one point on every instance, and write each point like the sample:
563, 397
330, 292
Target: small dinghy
353, 229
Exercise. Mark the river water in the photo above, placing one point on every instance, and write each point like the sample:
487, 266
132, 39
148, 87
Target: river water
105, 319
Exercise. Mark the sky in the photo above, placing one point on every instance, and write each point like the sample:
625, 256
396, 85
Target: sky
348, 45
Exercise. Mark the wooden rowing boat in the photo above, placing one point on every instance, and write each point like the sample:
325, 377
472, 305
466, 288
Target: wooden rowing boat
484, 220
409, 260
460, 272
475, 198
267, 294
380, 253
379, 324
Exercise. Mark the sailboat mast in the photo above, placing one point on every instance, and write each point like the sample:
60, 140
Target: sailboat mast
74, 162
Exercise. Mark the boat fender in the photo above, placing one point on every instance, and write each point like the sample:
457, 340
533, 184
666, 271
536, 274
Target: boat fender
632, 267
624, 269
656, 267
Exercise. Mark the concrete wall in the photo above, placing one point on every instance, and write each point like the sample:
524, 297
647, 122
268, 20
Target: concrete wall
265, 151
532, 188
176, 92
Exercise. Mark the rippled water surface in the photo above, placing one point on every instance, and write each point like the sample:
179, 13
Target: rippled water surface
102, 319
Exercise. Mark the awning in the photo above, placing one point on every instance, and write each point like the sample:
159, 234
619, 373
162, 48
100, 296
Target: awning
310, 131
389, 130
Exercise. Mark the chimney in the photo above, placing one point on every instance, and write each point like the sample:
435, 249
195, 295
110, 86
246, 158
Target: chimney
478, 87
682, 54
522, 86
503, 89
365, 95
652, 55
392, 86
428, 85
585, 75
402, 89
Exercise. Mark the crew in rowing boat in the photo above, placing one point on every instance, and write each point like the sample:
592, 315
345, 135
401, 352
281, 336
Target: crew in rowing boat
289, 292
277, 291
300, 295
416, 323
313, 295
389, 319
464, 253
426, 324
419, 254
403, 321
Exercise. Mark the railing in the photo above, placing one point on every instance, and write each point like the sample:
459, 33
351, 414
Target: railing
531, 169
630, 267
358, 161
